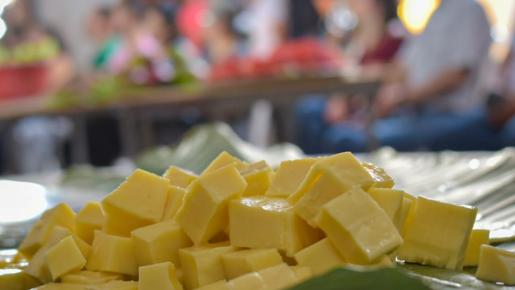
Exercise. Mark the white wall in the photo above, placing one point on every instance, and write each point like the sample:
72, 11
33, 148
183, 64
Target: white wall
68, 18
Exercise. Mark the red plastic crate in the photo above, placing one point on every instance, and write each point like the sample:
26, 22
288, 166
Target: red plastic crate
19, 81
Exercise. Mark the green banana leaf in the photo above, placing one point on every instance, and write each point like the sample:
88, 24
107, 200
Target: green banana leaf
404, 277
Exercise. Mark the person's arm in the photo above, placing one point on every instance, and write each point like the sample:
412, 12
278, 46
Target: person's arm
502, 112
445, 82
396, 93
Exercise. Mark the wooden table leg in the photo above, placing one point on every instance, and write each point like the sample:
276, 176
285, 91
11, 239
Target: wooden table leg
80, 147
128, 133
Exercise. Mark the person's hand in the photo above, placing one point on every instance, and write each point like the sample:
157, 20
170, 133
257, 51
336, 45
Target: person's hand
336, 110
389, 98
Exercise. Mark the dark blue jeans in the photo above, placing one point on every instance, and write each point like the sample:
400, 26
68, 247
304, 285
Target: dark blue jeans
404, 132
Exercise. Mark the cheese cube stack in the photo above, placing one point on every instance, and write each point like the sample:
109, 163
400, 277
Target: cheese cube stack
240, 226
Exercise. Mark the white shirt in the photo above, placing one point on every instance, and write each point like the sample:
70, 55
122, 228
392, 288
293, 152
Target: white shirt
264, 17
457, 36
510, 78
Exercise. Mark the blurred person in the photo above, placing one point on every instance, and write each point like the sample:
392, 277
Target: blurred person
223, 41
267, 27
372, 44
32, 42
492, 126
137, 40
430, 86
159, 21
503, 114
100, 29
33, 142
305, 17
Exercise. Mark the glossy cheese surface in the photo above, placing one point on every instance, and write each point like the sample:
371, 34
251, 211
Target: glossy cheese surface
252, 260
358, 228
380, 178
90, 277
222, 160
204, 212
262, 222
289, 176
258, 177
112, 254
159, 243
437, 233
320, 257
179, 177
391, 201
64, 257
38, 267
61, 215
89, 219
174, 201
139, 201
477, 239
203, 265
160, 276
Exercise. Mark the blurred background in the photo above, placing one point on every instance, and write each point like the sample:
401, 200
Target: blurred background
110, 82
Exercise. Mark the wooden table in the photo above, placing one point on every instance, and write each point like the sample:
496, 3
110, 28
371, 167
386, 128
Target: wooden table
150, 102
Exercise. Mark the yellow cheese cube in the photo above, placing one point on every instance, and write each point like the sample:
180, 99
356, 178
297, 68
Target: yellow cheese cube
289, 176
302, 273
278, 277
179, 177
476, 240
89, 219
64, 257
204, 212
380, 177
37, 267
496, 265
138, 202
90, 277
119, 285
262, 222
344, 166
158, 276
64, 286
220, 285
321, 191
84, 247
173, 202
112, 254
258, 177
250, 281
390, 201
61, 215
358, 228
203, 265
16, 279
437, 234
320, 257
246, 261
407, 202
159, 243
222, 160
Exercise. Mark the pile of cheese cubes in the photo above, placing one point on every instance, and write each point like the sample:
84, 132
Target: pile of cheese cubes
242, 226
